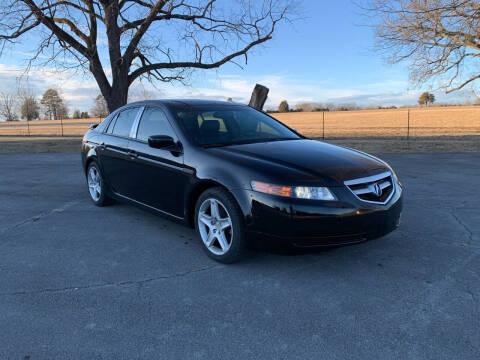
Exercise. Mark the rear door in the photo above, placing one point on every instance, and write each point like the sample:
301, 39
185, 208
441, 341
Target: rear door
114, 155
160, 175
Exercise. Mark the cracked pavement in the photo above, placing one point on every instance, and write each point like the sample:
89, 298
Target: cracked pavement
82, 282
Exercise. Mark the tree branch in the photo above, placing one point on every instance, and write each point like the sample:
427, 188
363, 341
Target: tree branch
72, 27
463, 84
61, 34
432, 35
128, 55
198, 65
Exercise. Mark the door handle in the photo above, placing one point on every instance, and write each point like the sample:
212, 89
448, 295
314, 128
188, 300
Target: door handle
102, 146
133, 154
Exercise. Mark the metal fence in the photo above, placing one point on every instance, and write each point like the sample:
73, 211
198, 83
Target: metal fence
404, 123
42, 128
395, 123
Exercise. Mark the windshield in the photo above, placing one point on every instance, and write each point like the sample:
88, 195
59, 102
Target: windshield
221, 125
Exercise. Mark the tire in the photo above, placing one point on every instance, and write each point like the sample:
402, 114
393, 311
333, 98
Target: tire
222, 232
96, 185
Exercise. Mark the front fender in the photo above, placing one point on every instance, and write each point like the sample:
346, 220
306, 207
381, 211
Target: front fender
230, 179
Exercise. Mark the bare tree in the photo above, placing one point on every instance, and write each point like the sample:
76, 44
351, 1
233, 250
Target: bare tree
8, 103
309, 106
439, 38
76, 114
62, 111
100, 108
29, 108
154, 39
349, 106
140, 93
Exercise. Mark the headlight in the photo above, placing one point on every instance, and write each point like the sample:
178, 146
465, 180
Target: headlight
396, 179
299, 192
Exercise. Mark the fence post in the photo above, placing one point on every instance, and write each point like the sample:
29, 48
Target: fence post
323, 125
61, 124
408, 124
28, 128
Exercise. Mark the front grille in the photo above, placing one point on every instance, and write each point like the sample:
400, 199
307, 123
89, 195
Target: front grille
376, 189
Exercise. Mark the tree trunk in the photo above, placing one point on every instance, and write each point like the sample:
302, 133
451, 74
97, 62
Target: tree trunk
116, 98
117, 95
259, 96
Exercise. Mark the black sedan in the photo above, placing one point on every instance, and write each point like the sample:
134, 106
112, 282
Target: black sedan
233, 172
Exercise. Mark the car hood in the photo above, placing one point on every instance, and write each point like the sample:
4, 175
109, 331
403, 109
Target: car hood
307, 160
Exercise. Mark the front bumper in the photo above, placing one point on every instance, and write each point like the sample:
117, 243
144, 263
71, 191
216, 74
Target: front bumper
311, 223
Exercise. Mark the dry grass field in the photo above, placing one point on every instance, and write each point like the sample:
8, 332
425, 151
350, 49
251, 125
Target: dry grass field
434, 121
452, 129
71, 127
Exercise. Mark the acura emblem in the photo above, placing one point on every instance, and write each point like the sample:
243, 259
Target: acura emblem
376, 189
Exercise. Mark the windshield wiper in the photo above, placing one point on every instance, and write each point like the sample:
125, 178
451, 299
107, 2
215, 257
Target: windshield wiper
206, 146
280, 139
249, 141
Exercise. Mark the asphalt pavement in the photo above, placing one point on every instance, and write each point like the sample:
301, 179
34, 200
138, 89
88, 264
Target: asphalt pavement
82, 282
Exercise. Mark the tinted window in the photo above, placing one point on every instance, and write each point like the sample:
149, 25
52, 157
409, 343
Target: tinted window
153, 122
224, 125
210, 116
103, 125
124, 122
109, 130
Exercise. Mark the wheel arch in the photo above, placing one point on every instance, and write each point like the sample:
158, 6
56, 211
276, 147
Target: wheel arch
89, 160
194, 194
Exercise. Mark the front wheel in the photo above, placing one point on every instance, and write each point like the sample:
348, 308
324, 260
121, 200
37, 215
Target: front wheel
219, 223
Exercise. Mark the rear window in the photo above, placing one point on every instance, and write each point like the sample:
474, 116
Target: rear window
124, 122
110, 126
103, 124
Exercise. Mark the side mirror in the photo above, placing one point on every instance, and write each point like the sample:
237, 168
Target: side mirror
160, 141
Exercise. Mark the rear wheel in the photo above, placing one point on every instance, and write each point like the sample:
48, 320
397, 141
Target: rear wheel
96, 185
219, 223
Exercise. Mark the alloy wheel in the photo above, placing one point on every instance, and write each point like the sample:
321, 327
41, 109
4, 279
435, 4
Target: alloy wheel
215, 225
94, 183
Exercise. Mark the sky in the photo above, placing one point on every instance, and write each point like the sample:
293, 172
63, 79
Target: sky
326, 55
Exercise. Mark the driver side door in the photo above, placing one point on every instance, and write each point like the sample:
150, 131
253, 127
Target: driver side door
160, 175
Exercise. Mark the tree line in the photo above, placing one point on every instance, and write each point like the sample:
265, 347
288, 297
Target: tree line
23, 104
426, 99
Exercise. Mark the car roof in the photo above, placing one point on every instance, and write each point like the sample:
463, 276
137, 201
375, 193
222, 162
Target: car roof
184, 102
